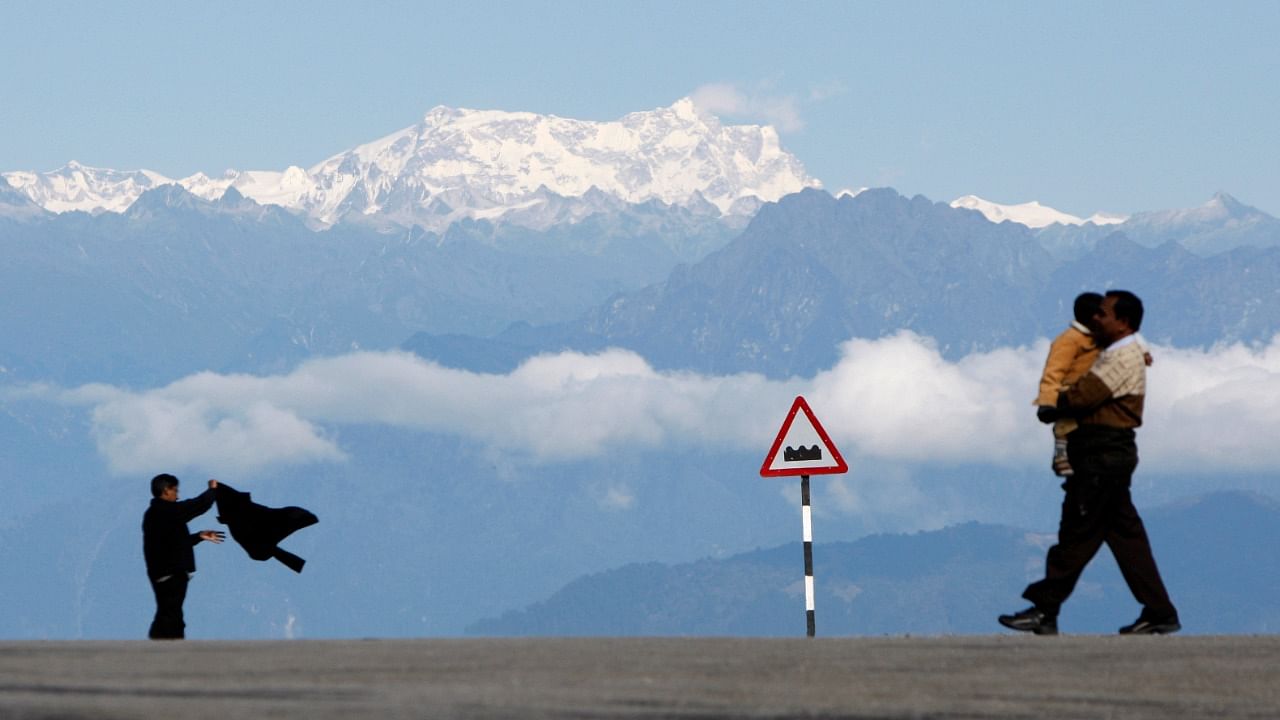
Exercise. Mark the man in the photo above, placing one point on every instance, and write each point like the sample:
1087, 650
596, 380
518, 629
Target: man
1107, 403
168, 545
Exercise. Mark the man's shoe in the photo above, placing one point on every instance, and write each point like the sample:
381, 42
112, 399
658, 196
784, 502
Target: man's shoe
1144, 626
1032, 620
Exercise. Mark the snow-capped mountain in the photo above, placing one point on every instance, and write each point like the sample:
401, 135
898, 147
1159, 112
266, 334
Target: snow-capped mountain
1220, 224
1032, 214
15, 204
76, 187
484, 164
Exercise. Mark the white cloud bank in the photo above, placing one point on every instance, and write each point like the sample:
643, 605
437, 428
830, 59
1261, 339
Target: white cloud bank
894, 399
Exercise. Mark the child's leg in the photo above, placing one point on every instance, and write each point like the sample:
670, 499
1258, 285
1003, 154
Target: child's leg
1061, 466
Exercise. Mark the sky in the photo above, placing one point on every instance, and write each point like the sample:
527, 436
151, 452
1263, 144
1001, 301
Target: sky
1087, 107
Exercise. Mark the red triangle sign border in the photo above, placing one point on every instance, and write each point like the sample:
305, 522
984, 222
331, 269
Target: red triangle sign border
798, 406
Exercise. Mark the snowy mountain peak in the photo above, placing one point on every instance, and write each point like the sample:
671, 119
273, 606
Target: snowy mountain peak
1219, 208
1032, 214
78, 187
484, 160
459, 162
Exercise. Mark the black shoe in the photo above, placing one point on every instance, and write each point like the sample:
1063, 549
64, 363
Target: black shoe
1032, 620
1146, 626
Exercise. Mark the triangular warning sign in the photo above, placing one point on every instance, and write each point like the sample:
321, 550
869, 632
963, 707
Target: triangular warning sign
802, 447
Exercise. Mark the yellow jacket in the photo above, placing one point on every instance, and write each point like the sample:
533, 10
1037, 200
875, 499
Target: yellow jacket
1070, 356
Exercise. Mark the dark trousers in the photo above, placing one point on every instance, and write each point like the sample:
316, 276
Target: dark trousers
1098, 509
170, 594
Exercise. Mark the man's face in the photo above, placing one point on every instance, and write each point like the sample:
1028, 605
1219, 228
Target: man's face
169, 494
1108, 327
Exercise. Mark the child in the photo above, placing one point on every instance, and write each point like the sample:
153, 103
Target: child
1070, 356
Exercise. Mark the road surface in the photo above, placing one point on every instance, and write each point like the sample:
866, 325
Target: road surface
998, 676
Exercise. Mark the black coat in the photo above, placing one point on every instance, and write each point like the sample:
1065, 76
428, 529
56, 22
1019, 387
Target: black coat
166, 542
259, 529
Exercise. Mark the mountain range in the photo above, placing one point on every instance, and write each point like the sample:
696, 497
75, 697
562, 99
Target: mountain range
811, 271
949, 581
459, 163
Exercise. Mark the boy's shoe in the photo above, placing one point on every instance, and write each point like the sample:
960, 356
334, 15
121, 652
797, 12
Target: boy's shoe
1061, 466
1146, 626
1032, 620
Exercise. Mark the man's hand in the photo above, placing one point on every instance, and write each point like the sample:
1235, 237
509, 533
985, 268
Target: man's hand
213, 536
212, 483
1047, 414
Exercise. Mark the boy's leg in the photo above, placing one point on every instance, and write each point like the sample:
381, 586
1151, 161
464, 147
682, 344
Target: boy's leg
1060, 464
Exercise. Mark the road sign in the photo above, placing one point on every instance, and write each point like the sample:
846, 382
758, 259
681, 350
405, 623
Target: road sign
802, 447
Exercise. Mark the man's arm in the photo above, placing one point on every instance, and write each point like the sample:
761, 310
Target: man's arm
1088, 393
198, 505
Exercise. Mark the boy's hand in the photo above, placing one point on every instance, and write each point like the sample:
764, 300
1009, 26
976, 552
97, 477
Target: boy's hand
213, 536
1047, 414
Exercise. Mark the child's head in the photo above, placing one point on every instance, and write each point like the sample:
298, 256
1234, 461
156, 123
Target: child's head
1087, 305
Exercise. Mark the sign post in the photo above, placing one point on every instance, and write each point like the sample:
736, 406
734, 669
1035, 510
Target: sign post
808, 451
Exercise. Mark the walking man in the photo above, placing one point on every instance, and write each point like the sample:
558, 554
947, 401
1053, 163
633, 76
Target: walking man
168, 547
1107, 403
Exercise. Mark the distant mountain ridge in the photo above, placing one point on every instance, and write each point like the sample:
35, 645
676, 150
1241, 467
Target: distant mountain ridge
235, 285
459, 163
953, 580
812, 271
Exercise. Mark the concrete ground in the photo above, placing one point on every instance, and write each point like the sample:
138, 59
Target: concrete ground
1002, 676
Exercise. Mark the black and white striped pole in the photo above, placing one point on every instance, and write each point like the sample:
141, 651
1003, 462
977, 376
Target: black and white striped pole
809, 451
806, 517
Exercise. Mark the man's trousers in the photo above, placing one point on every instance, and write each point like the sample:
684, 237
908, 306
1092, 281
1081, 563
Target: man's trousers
1097, 509
170, 594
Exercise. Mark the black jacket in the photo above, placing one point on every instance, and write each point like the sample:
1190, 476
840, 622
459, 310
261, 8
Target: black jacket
166, 542
258, 528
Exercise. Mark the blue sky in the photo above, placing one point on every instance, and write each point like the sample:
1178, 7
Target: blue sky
1116, 107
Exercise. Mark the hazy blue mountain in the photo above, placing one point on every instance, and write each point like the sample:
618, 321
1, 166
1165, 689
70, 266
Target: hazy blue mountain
1221, 224
812, 271
1216, 553
178, 284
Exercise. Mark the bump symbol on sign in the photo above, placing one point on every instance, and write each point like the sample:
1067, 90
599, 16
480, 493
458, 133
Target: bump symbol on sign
803, 453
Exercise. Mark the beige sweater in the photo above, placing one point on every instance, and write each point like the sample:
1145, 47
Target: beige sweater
1112, 393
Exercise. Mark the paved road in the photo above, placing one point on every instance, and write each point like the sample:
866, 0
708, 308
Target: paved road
951, 677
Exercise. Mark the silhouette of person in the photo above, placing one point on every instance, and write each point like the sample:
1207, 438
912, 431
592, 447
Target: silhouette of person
168, 547
1107, 402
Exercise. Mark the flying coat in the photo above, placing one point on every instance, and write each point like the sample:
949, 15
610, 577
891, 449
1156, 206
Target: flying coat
260, 529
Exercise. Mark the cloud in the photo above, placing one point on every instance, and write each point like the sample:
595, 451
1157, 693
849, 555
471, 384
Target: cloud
780, 111
892, 400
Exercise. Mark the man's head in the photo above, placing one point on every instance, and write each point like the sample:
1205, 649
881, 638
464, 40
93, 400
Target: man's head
164, 487
1119, 316
1086, 307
